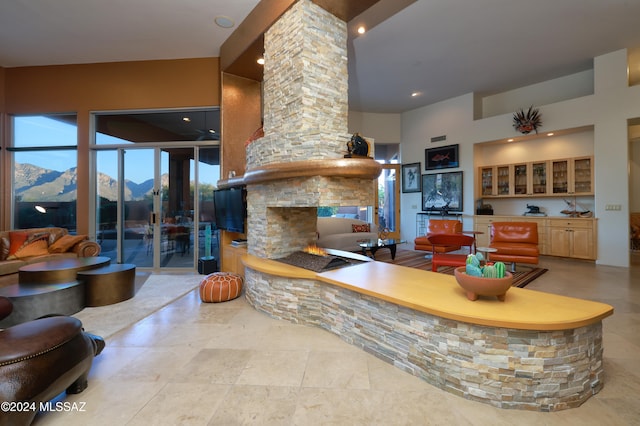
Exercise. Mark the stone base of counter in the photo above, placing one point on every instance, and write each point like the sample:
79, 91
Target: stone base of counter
506, 368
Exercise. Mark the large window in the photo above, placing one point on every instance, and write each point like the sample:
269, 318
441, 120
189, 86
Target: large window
44, 149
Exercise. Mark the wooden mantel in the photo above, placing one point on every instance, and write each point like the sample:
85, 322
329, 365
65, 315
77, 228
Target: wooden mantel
365, 168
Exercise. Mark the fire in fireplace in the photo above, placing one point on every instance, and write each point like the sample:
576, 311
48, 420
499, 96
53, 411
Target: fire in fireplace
317, 259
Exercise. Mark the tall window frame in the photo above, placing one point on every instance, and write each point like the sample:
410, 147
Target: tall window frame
44, 159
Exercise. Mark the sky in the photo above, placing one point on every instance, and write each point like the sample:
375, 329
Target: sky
39, 131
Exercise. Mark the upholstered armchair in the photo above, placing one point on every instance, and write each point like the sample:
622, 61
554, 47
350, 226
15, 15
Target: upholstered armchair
515, 242
39, 359
442, 226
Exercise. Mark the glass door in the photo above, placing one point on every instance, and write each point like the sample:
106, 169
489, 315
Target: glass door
145, 216
139, 202
176, 207
388, 201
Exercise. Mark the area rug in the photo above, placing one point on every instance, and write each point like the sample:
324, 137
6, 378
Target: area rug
153, 293
417, 259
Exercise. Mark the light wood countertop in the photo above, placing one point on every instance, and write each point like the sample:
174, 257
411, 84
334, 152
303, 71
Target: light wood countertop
440, 295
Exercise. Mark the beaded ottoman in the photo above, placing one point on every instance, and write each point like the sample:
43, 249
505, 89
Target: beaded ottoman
220, 287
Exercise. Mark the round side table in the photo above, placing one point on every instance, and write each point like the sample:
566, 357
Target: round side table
485, 251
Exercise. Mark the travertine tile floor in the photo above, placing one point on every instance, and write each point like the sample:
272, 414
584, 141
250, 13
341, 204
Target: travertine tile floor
227, 364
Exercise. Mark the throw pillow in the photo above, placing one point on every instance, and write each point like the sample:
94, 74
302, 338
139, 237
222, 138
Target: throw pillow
16, 240
64, 243
34, 245
360, 228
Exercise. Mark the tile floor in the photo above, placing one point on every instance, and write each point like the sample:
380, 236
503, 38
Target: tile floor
227, 364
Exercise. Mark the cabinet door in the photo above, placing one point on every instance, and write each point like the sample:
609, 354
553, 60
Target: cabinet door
539, 178
560, 177
559, 241
583, 176
521, 179
503, 180
581, 243
487, 177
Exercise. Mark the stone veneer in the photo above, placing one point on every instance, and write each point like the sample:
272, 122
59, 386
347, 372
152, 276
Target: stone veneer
506, 368
305, 99
305, 118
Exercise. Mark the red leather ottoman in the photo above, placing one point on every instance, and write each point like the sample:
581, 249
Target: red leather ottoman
220, 287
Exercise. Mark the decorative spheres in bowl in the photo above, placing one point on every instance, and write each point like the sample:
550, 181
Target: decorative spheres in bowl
481, 286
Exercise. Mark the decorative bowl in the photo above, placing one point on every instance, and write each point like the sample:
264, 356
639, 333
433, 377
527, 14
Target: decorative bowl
480, 286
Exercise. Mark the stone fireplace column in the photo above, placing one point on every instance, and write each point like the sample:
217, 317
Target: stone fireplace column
305, 126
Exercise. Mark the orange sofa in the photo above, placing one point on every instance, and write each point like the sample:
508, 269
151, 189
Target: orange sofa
515, 242
441, 226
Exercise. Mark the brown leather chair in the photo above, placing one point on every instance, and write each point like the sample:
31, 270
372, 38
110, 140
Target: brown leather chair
516, 242
442, 258
442, 226
39, 359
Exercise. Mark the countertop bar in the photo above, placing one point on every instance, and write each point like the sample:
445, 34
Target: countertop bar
439, 294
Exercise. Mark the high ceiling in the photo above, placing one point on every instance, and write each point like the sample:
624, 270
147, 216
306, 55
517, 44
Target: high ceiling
441, 48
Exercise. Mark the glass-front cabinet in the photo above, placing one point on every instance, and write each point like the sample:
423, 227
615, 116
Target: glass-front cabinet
520, 179
572, 176
569, 176
487, 181
539, 178
504, 179
583, 175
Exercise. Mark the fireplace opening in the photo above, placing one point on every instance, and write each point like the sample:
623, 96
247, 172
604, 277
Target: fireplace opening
318, 259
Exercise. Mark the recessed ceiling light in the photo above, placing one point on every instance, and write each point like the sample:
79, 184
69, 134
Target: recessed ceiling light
549, 134
509, 140
224, 21
186, 119
362, 29
260, 61
416, 94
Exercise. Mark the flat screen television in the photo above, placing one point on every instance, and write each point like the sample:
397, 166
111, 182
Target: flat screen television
230, 206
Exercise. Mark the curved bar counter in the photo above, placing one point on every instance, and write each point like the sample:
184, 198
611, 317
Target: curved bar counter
535, 351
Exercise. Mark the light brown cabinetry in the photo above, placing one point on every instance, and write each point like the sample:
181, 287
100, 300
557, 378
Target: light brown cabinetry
574, 238
571, 237
573, 176
231, 256
569, 176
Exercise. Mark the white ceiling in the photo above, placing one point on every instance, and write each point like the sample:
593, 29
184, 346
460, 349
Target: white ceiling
442, 48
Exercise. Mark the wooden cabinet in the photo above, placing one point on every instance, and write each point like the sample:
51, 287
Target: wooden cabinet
574, 238
571, 237
231, 256
232, 259
569, 176
573, 176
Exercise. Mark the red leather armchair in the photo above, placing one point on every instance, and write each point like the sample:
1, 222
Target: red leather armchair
516, 242
442, 226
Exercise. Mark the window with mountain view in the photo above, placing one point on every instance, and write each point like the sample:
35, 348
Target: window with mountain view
44, 180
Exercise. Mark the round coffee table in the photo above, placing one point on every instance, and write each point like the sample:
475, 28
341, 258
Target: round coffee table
58, 270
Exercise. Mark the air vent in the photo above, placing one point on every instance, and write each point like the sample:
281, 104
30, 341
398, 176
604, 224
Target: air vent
439, 138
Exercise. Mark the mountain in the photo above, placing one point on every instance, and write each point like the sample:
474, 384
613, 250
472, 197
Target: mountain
35, 183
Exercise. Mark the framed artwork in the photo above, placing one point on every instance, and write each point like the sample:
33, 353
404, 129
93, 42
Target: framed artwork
444, 157
411, 177
442, 192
